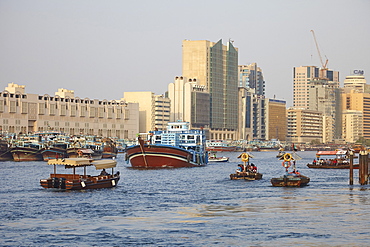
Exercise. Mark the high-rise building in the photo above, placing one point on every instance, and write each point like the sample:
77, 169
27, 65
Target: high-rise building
304, 125
63, 112
215, 66
259, 117
251, 76
324, 96
357, 101
356, 81
154, 110
276, 121
190, 102
245, 113
352, 126
302, 78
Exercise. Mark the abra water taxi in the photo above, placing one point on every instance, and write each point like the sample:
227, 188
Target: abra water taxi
246, 171
81, 182
338, 159
290, 179
177, 146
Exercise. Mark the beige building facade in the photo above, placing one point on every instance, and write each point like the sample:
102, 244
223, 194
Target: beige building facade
190, 102
276, 120
304, 125
215, 66
352, 125
27, 113
358, 101
154, 110
245, 113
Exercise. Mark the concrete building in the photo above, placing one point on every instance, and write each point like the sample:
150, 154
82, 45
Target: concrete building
154, 110
259, 117
245, 113
215, 66
324, 96
304, 126
302, 77
190, 102
356, 81
357, 101
27, 113
352, 125
251, 76
276, 121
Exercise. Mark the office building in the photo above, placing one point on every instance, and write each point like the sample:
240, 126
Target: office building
215, 66
63, 112
352, 126
302, 78
356, 81
276, 120
304, 126
251, 76
359, 102
154, 110
190, 102
245, 113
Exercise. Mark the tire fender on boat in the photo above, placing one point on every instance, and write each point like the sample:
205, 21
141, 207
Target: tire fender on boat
244, 157
287, 157
286, 164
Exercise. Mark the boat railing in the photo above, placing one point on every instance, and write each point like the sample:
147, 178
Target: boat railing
66, 176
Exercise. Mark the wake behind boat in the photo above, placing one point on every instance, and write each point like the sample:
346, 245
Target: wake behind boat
177, 146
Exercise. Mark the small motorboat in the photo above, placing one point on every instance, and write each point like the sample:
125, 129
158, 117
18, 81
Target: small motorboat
81, 182
290, 179
218, 159
246, 171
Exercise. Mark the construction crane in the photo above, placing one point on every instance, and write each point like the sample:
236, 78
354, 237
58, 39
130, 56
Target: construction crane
318, 50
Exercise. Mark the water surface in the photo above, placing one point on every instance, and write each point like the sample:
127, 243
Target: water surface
186, 207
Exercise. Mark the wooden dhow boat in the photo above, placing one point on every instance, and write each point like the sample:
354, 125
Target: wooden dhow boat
177, 146
246, 171
5, 149
110, 149
76, 181
290, 179
27, 151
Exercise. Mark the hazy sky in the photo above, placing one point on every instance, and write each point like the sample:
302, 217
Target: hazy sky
101, 49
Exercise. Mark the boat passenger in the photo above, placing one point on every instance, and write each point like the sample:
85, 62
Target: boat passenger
253, 168
314, 161
103, 173
239, 169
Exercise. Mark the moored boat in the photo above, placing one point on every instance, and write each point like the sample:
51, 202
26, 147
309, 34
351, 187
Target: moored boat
27, 152
290, 179
110, 149
219, 146
177, 146
246, 171
81, 182
5, 149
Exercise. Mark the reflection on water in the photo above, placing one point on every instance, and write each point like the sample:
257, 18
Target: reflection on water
186, 207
